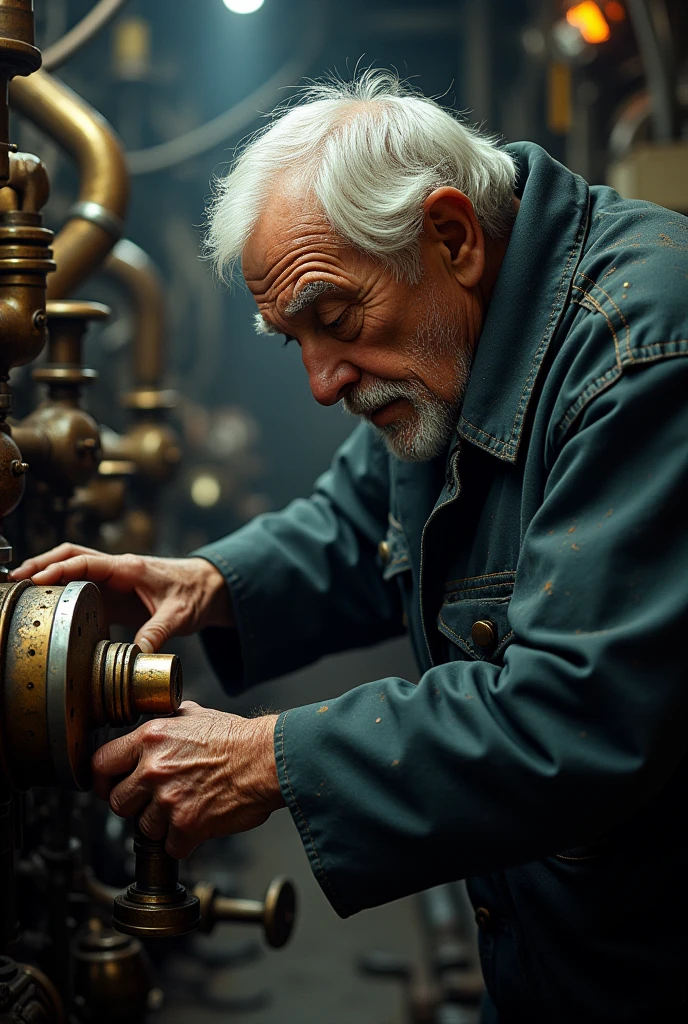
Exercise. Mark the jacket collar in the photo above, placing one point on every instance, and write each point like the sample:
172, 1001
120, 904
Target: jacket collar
528, 301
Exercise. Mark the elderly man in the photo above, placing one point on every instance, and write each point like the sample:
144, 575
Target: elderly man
514, 342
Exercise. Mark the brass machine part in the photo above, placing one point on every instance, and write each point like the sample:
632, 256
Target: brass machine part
61, 679
152, 446
135, 270
96, 219
18, 56
276, 913
156, 905
112, 976
26, 994
59, 440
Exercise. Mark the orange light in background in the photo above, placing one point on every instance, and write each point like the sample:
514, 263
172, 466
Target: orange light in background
614, 10
590, 21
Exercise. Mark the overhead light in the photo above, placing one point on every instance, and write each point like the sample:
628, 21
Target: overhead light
243, 6
590, 21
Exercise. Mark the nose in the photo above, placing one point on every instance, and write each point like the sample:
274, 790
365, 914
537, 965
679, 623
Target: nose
330, 376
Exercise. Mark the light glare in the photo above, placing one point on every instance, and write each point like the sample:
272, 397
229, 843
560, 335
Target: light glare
243, 6
590, 21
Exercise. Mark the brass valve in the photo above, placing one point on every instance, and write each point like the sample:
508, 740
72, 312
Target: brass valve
276, 913
61, 679
155, 906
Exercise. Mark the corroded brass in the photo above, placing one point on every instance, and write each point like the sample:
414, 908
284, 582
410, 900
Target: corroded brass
96, 219
60, 441
61, 679
112, 976
26, 994
156, 906
276, 913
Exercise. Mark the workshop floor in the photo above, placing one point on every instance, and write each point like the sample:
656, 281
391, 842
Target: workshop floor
314, 980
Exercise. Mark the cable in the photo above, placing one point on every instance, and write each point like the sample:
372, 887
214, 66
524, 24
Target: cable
242, 114
82, 33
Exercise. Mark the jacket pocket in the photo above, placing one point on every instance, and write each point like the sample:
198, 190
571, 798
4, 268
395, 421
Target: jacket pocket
474, 615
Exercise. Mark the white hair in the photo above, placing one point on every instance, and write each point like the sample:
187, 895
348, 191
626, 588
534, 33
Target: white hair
370, 151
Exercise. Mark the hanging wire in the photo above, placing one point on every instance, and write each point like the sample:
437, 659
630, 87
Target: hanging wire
235, 120
83, 32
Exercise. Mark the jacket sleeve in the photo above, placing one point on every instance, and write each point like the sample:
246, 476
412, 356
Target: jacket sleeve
306, 582
398, 787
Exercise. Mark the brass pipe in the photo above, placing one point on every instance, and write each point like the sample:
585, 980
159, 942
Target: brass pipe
96, 219
137, 272
18, 56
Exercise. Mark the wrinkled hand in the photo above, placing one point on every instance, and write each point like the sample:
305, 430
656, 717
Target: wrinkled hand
160, 597
196, 776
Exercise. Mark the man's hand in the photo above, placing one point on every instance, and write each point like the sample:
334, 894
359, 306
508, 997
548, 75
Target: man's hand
160, 597
197, 776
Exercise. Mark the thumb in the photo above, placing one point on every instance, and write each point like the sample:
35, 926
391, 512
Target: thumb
157, 631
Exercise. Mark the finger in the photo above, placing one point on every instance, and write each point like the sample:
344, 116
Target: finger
168, 620
30, 566
178, 844
153, 821
118, 757
129, 797
98, 568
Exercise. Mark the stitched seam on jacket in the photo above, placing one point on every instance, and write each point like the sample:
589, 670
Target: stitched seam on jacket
304, 826
472, 590
618, 310
656, 352
511, 573
600, 309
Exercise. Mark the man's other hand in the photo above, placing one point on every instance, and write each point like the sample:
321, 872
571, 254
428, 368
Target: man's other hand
160, 597
193, 777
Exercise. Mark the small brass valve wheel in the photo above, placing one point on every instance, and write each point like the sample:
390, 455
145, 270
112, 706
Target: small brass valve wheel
61, 679
156, 906
276, 913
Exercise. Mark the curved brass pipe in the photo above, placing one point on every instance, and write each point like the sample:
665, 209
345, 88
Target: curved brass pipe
95, 222
137, 272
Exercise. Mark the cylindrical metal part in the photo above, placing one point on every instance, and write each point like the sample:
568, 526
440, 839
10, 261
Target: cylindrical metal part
157, 684
112, 977
156, 906
277, 912
134, 268
97, 218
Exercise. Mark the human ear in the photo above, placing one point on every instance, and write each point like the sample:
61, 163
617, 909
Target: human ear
451, 227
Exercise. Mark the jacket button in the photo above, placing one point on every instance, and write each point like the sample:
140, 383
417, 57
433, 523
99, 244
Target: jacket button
383, 550
483, 919
484, 633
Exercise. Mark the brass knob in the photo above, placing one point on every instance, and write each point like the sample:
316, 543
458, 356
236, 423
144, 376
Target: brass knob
156, 906
383, 551
484, 633
128, 683
276, 913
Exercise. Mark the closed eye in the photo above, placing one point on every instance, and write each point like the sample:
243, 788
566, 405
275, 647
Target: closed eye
336, 323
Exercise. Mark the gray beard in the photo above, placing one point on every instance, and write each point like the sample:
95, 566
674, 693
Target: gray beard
427, 432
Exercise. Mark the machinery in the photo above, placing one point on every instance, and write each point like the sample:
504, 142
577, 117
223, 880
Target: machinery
63, 681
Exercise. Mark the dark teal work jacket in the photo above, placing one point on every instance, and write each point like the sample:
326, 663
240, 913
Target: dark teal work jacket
542, 755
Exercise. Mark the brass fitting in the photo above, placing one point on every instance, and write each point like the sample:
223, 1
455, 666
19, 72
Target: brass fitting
96, 219
276, 913
112, 975
152, 447
155, 906
59, 440
61, 679
18, 56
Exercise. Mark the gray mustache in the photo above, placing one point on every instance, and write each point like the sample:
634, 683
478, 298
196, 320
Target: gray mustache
365, 400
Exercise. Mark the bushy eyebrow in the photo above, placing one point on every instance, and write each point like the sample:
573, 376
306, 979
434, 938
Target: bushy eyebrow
308, 294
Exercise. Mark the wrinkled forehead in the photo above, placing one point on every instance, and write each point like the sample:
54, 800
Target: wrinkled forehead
291, 229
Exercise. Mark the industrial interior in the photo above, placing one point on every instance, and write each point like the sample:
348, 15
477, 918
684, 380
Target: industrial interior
139, 413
